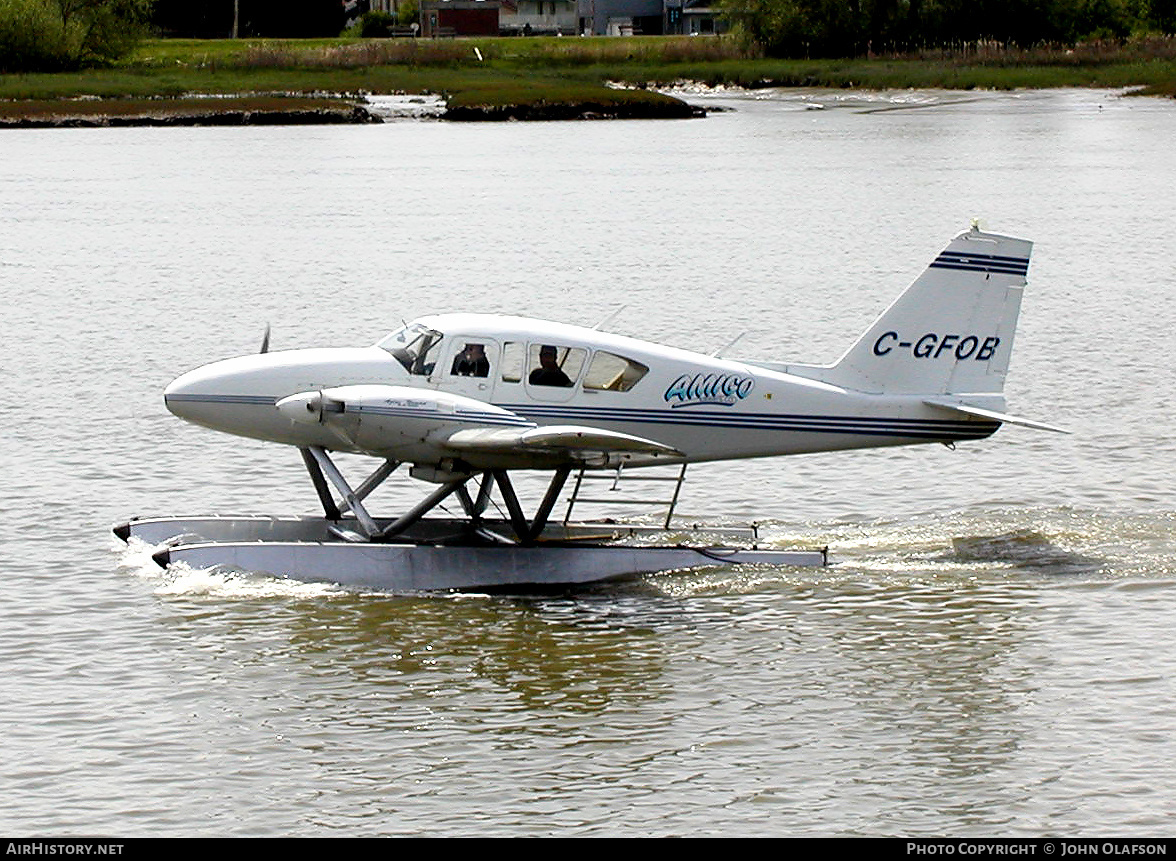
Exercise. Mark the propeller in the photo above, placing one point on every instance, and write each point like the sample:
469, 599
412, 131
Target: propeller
265, 339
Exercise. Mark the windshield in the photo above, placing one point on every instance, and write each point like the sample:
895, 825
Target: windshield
415, 346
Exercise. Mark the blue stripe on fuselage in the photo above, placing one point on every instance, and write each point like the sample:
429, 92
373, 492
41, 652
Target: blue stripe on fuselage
861, 425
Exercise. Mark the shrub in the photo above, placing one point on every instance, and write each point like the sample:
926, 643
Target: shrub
376, 24
53, 35
31, 37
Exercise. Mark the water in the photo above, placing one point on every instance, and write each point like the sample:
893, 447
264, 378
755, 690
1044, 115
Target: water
989, 656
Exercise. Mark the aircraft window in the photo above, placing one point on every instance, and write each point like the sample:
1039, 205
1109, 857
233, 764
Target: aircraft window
416, 347
612, 373
471, 361
512, 362
555, 366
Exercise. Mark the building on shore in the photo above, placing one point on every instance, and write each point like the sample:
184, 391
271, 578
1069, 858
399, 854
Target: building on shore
563, 17
649, 17
538, 18
459, 17
698, 18
622, 17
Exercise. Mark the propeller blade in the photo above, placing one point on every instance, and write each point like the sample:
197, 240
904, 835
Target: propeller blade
265, 339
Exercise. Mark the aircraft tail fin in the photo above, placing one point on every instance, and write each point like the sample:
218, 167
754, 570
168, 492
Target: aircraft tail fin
950, 332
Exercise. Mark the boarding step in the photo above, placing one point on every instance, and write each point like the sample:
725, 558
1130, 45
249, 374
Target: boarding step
644, 480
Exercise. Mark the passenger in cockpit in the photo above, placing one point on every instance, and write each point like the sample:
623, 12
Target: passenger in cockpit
471, 362
549, 372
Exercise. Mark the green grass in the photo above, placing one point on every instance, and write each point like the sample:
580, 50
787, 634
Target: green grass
545, 52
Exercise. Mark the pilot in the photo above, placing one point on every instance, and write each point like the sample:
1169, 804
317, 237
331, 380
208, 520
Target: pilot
549, 373
471, 362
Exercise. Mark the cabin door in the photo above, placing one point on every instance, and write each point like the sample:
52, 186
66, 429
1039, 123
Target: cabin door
468, 366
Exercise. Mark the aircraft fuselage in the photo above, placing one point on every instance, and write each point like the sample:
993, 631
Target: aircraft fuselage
407, 394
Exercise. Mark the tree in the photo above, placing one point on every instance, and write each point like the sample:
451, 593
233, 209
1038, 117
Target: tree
798, 28
1162, 16
844, 28
54, 35
407, 13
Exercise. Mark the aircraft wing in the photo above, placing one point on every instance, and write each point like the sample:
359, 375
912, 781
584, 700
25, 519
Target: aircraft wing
981, 412
577, 443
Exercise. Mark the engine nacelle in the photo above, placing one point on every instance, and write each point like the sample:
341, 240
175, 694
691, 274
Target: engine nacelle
395, 421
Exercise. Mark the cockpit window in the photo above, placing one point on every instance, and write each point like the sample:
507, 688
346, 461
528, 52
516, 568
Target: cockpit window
415, 346
471, 360
552, 365
612, 373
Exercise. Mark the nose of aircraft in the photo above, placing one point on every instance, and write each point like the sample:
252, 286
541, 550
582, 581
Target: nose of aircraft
239, 395
186, 392
217, 395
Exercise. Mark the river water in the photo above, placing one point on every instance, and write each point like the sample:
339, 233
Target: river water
990, 654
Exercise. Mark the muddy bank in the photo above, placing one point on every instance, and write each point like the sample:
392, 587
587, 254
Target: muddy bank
200, 111
307, 110
668, 110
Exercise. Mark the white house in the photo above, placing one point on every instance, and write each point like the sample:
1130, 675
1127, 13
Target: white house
538, 17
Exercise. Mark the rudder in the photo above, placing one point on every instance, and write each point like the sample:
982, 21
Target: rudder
950, 332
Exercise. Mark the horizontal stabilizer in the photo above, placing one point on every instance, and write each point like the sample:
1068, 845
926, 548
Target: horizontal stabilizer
981, 412
572, 439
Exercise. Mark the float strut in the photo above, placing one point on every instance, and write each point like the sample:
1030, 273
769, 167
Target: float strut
379, 476
549, 499
528, 532
323, 461
423, 507
475, 507
320, 485
484, 493
517, 519
467, 503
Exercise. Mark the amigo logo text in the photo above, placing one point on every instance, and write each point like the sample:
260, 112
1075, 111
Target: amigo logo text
721, 389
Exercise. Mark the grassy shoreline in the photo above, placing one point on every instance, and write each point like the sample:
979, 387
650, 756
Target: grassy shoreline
537, 78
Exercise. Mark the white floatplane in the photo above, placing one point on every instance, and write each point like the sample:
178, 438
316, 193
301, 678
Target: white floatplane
466, 399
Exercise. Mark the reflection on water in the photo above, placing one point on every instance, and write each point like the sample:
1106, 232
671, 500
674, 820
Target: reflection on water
580, 665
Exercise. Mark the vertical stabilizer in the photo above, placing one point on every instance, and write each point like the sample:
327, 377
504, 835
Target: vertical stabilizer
950, 332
